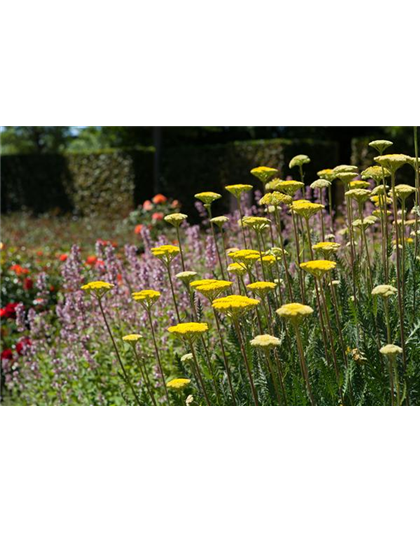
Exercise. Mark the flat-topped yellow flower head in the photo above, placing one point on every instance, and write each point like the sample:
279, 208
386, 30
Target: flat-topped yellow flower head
214, 289
264, 174
381, 145
289, 187
318, 267
344, 168
256, 223
364, 223
178, 383
235, 306
219, 221
380, 190
98, 288
261, 288
133, 338
359, 195
320, 184
247, 257
326, 248
403, 191
346, 177
305, 208
326, 174
391, 350
176, 219
294, 312
166, 252
375, 173
275, 198
208, 197
146, 297
186, 276
265, 342
237, 268
384, 290
359, 184
299, 160
238, 189
189, 330
392, 162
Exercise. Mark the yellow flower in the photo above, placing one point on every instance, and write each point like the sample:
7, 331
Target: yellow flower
380, 190
264, 173
344, 168
166, 252
256, 223
359, 184
236, 268
187, 357
319, 267
392, 162
326, 174
265, 341
235, 306
146, 297
247, 257
275, 198
299, 160
219, 221
207, 197
189, 330
360, 195
326, 246
346, 177
186, 276
294, 311
178, 383
403, 191
99, 288
212, 290
176, 219
261, 288
306, 209
391, 350
380, 145
375, 173
289, 187
363, 224
384, 290
238, 189
132, 338
320, 184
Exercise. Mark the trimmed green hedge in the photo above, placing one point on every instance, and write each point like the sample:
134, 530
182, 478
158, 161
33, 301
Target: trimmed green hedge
112, 182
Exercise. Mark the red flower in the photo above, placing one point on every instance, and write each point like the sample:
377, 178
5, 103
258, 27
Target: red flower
19, 270
63, 257
6, 354
157, 216
9, 311
28, 284
21, 344
91, 260
39, 253
99, 263
138, 228
147, 206
159, 199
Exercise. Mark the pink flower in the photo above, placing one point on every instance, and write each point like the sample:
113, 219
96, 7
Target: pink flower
147, 206
157, 216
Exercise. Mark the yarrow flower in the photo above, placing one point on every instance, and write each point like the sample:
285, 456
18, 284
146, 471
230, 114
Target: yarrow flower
392, 162
208, 197
146, 297
318, 267
133, 338
289, 187
236, 268
384, 290
275, 198
189, 330
265, 341
186, 276
178, 383
381, 145
326, 174
219, 221
326, 246
264, 173
235, 305
359, 184
187, 357
98, 288
261, 288
176, 219
247, 257
375, 173
403, 191
391, 350
166, 252
213, 289
306, 209
294, 312
360, 195
256, 223
320, 184
299, 160
238, 189
346, 177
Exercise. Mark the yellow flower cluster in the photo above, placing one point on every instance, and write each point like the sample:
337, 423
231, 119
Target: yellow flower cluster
219, 221
166, 252
299, 160
247, 257
235, 305
207, 197
289, 187
275, 198
256, 223
236, 268
146, 297
238, 189
319, 267
359, 184
384, 290
320, 184
265, 341
294, 311
176, 219
97, 287
132, 338
392, 162
178, 383
360, 195
264, 173
211, 288
305, 208
375, 173
261, 288
326, 246
189, 329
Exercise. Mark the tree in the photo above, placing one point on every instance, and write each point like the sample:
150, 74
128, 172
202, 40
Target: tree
34, 139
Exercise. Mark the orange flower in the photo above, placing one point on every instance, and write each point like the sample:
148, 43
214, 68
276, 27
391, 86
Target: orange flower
147, 206
159, 199
63, 257
138, 228
19, 270
157, 216
91, 260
